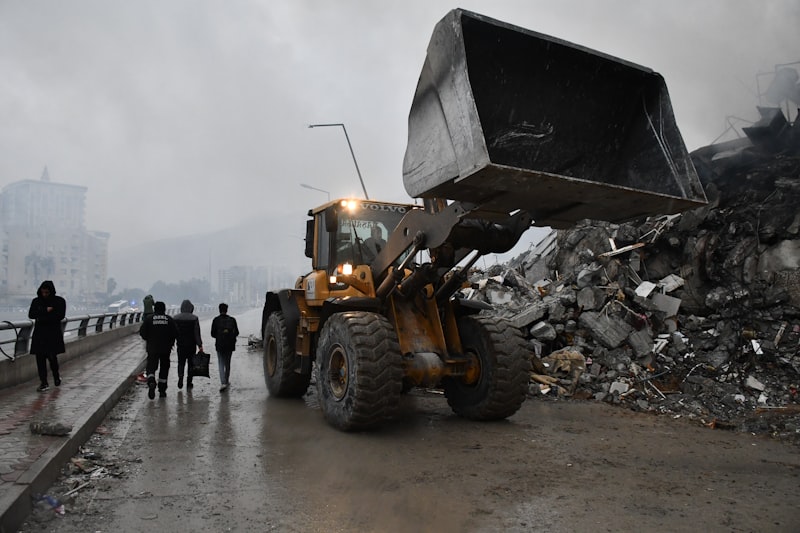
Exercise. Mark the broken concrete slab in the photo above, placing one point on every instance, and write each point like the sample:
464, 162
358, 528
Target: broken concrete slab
667, 304
671, 282
645, 288
641, 342
543, 331
610, 332
499, 296
533, 312
590, 298
752, 383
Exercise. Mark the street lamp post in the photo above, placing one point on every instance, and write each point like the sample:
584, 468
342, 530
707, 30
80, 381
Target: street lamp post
316, 189
351, 152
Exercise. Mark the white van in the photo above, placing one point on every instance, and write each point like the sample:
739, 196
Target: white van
120, 306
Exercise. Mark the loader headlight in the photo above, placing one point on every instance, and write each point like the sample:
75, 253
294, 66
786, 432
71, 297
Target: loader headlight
350, 205
342, 270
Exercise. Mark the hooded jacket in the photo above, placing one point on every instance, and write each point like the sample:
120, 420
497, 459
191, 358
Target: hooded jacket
148, 305
48, 312
188, 327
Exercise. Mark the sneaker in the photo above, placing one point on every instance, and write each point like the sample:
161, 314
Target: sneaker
162, 394
180, 382
151, 390
58, 382
44, 387
224, 387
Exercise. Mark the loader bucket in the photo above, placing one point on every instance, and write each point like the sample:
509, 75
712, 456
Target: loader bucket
510, 119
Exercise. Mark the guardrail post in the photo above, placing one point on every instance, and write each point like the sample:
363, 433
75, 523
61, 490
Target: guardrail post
23, 340
82, 328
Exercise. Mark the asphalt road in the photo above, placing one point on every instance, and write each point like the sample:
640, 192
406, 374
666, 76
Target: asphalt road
241, 461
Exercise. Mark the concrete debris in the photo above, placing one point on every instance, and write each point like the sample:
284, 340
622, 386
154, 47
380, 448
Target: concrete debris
671, 282
50, 428
543, 331
571, 362
80, 480
254, 342
695, 314
645, 288
753, 383
618, 387
608, 330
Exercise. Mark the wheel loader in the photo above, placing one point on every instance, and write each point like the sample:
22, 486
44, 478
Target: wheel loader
508, 128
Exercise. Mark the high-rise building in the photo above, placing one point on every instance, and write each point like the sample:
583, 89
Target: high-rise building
43, 236
247, 285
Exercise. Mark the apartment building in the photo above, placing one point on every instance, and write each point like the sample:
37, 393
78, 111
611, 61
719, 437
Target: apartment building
43, 236
247, 285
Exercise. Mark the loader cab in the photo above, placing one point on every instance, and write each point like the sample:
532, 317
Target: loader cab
350, 232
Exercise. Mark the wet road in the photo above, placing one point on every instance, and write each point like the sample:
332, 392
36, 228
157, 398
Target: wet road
240, 461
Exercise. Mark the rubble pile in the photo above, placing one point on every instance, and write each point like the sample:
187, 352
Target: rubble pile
695, 314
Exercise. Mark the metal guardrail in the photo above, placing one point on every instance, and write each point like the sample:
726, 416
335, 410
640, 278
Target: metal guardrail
15, 336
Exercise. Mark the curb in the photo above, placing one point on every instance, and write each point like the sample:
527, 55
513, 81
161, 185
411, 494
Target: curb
17, 506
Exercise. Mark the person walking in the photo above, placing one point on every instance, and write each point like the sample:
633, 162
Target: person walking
48, 310
225, 330
147, 306
160, 332
147, 310
189, 341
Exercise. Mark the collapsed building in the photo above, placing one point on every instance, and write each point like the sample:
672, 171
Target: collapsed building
695, 314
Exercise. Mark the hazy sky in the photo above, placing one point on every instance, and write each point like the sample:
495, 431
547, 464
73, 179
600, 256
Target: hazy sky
185, 116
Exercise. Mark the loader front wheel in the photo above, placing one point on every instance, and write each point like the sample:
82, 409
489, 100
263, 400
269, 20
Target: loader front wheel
281, 369
359, 370
504, 370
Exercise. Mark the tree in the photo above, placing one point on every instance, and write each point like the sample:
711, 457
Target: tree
111, 284
196, 290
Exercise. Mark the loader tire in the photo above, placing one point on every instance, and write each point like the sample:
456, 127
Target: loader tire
504, 361
359, 370
280, 362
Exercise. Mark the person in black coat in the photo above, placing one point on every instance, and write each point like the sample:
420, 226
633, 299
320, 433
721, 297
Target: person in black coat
48, 310
160, 332
189, 341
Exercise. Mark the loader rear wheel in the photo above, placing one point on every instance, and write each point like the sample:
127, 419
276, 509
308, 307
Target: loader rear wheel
359, 370
280, 362
504, 361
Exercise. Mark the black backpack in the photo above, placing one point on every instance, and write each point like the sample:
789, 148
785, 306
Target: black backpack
226, 332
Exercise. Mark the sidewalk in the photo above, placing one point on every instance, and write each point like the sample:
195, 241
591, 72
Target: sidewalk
92, 384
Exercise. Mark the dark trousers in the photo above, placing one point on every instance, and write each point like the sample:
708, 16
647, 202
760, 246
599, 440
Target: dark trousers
185, 359
224, 362
158, 361
41, 365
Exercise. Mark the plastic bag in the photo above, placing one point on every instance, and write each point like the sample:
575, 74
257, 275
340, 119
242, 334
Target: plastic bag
200, 362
